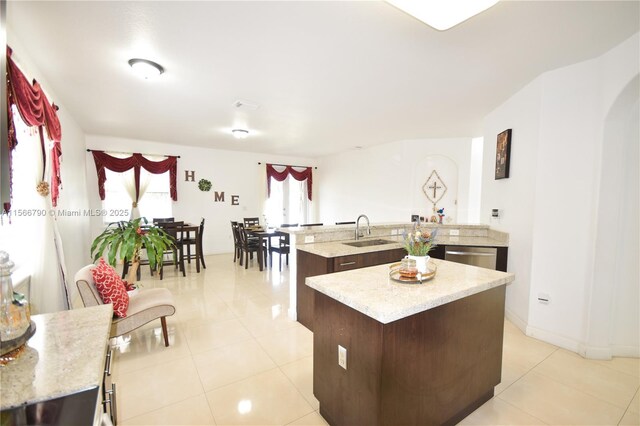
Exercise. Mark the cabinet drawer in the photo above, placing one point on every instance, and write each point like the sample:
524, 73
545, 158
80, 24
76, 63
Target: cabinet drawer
346, 263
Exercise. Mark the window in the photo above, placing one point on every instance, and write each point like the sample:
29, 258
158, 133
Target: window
154, 199
288, 202
157, 200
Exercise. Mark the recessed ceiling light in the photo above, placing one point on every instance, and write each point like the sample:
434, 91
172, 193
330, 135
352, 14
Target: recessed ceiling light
145, 68
443, 14
240, 133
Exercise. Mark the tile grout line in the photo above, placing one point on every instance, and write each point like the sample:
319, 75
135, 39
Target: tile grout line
629, 405
520, 409
527, 372
573, 387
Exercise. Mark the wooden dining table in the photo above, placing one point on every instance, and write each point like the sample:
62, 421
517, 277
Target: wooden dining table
261, 234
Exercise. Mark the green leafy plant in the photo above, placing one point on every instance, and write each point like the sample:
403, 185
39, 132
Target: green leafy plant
420, 241
124, 240
204, 185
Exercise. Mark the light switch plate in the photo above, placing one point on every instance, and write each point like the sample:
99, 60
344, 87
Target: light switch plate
342, 357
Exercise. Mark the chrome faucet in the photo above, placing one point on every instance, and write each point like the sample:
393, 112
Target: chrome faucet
358, 235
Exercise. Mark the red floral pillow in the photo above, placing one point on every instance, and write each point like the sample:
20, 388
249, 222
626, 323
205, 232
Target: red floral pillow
111, 287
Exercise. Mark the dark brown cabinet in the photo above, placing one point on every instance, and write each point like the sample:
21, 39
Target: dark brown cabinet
431, 368
309, 265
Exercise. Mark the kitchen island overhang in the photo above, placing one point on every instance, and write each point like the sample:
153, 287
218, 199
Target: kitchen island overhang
416, 354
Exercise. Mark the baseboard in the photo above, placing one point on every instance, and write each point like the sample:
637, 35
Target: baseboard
587, 351
555, 339
625, 351
595, 352
516, 320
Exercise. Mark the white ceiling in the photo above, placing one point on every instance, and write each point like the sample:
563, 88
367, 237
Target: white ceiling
328, 75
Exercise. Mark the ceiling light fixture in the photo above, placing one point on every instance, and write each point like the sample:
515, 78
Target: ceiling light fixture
145, 68
442, 14
240, 133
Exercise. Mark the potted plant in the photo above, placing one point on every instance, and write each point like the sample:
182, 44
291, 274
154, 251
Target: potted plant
418, 244
124, 240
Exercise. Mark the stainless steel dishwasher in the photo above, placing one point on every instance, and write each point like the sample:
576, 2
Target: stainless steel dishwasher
484, 257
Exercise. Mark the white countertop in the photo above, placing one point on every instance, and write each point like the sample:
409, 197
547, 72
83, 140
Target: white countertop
339, 248
371, 291
454, 234
65, 355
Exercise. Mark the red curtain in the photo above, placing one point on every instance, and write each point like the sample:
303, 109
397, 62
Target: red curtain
35, 110
289, 171
136, 161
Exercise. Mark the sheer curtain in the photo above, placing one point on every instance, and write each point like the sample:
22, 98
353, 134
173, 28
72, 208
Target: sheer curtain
128, 182
35, 242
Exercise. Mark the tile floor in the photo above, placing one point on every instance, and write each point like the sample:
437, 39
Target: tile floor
235, 358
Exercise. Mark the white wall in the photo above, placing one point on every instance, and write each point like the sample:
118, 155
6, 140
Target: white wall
625, 322
614, 319
550, 202
235, 173
515, 196
74, 231
382, 181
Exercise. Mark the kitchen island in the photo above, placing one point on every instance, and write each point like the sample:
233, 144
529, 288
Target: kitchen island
415, 354
330, 252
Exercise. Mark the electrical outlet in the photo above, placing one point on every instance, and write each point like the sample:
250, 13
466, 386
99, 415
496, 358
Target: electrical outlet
544, 298
309, 238
454, 232
342, 357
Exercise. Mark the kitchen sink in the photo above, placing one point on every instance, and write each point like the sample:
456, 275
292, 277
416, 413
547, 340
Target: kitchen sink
368, 243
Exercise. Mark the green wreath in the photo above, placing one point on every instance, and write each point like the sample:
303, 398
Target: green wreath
204, 185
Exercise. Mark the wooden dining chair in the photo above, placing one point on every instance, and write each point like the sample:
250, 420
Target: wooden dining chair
174, 230
249, 247
237, 245
195, 241
282, 248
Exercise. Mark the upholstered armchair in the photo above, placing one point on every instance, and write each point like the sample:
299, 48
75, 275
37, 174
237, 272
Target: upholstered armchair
145, 306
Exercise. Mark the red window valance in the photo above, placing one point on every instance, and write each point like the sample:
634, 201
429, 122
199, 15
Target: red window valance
135, 162
35, 110
305, 174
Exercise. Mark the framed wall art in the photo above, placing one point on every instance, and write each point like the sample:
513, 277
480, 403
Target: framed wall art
503, 154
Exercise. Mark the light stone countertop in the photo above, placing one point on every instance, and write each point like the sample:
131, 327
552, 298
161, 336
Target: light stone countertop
371, 291
338, 248
65, 355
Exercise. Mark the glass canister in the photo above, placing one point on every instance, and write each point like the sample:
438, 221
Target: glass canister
408, 268
15, 316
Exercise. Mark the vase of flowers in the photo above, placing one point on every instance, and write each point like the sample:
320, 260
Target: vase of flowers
418, 244
125, 240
